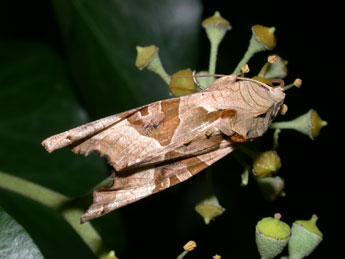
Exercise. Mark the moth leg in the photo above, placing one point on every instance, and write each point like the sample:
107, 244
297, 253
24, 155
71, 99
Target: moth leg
226, 121
226, 126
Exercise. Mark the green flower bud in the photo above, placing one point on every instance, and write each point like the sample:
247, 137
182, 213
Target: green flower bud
216, 27
216, 21
305, 237
111, 255
266, 164
309, 123
147, 57
275, 67
272, 235
182, 83
271, 187
278, 69
209, 208
262, 39
263, 80
265, 36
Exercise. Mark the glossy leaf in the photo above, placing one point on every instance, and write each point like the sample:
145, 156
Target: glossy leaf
15, 242
100, 39
36, 101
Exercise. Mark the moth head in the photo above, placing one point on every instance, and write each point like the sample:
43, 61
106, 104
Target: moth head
276, 92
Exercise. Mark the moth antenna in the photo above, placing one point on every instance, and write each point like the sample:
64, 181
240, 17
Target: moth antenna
279, 81
195, 75
263, 84
195, 79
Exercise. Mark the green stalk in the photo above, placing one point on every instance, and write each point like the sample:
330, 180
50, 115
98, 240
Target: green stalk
254, 47
157, 67
213, 58
58, 202
182, 254
32, 191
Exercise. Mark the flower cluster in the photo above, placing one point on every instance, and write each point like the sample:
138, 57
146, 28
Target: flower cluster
272, 234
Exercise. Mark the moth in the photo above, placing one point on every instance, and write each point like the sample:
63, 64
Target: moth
166, 142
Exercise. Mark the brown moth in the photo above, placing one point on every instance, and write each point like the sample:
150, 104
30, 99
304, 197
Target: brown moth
164, 143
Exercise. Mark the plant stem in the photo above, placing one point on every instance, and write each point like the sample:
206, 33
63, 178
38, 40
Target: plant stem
58, 202
213, 59
254, 47
86, 232
182, 255
157, 67
275, 139
33, 191
252, 154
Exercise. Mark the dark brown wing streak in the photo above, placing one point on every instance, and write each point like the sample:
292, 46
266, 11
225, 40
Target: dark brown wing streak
132, 186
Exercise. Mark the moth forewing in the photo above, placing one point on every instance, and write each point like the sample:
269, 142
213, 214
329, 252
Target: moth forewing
73, 136
158, 145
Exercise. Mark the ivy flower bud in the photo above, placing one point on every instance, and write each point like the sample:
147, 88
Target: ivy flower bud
216, 21
189, 246
266, 164
245, 69
283, 109
209, 208
272, 59
265, 36
216, 27
111, 255
262, 39
297, 83
278, 69
272, 235
305, 237
147, 57
309, 123
182, 83
263, 80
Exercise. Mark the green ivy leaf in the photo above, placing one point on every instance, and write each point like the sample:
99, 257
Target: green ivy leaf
15, 242
101, 39
36, 101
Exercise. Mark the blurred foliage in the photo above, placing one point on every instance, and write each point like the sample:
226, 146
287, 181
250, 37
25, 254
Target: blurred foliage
66, 62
